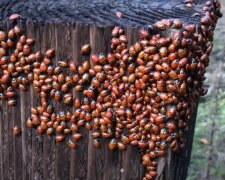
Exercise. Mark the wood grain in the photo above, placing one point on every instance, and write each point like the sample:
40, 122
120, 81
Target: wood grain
132, 155
80, 36
102, 12
66, 25
49, 147
37, 140
100, 43
62, 46
40, 157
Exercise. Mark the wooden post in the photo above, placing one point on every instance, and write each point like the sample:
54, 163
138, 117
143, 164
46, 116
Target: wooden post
66, 25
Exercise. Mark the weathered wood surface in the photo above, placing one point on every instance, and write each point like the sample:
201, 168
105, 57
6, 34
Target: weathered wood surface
102, 12
32, 156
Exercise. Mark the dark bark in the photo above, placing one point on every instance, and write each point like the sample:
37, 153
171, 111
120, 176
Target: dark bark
32, 156
38, 157
102, 12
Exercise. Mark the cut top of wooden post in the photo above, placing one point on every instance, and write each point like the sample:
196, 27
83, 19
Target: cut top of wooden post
105, 12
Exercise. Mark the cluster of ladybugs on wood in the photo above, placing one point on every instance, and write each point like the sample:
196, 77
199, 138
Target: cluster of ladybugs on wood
141, 96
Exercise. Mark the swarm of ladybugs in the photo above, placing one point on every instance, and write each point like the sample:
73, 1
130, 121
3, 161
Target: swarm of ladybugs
142, 95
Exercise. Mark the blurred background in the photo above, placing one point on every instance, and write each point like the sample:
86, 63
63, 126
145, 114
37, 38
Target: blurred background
208, 152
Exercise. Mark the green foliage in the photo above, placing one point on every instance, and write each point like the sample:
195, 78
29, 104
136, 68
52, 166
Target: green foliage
206, 113
199, 150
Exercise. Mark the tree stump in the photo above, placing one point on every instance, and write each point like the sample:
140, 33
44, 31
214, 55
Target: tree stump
66, 26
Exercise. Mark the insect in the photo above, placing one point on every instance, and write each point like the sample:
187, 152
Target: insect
139, 95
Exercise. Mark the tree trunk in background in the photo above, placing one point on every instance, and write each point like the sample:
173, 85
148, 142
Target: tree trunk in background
214, 113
